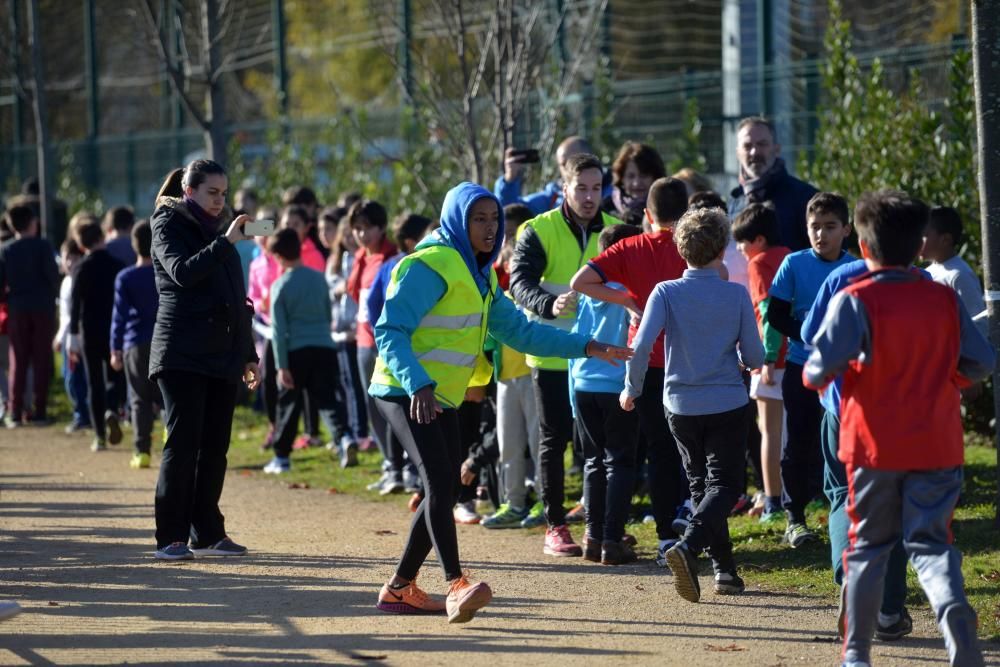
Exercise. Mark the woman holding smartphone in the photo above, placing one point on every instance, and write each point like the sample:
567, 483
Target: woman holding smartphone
202, 348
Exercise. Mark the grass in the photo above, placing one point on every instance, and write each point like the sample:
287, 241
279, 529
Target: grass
763, 560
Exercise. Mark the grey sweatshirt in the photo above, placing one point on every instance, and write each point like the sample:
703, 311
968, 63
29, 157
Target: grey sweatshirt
709, 328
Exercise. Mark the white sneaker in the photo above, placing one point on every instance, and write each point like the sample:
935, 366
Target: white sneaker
466, 513
277, 466
9, 608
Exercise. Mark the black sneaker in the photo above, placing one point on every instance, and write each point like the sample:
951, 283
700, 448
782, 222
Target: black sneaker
224, 547
684, 565
616, 553
114, 428
902, 627
729, 583
348, 454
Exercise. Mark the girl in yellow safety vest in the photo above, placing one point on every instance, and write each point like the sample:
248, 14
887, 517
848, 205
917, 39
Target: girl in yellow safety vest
442, 301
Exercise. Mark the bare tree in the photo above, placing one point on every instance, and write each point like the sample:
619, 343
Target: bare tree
41, 116
202, 67
479, 62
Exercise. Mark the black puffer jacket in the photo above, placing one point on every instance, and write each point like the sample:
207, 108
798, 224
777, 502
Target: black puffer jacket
203, 323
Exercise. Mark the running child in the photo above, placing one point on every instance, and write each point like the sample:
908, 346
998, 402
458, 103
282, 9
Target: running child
904, 473
710, 332
791, 295
757, 236
443, 300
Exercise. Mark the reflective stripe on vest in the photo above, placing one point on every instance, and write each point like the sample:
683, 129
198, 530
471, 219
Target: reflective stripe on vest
448, 342
563, 259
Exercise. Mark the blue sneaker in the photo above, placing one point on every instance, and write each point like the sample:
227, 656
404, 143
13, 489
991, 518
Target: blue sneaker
536, 516
505, 517
175, 551
224, 547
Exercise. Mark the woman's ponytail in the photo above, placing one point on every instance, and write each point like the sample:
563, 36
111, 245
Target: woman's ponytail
172, 185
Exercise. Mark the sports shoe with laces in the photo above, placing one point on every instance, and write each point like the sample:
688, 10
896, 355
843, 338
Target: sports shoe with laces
591, 548
393, 484
902, 627
75, 427
140, 460
576, 515
507, 516
98, 445
685, 568
348, 454
378, 483
536, 516
743, 504
277, 466
114, 428
729, 583
796, 535
224, 547
411, 481
174, 551
465, 513
558, 542
466, 598
408, 599
616, 553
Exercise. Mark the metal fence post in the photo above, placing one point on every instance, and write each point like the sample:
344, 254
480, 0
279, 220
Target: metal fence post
91, 168
280, 63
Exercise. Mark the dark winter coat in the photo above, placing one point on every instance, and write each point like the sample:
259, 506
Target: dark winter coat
789, 197
203, 323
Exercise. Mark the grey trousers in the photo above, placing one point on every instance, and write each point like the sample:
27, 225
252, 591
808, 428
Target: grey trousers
143, 393
883, 506
517, 431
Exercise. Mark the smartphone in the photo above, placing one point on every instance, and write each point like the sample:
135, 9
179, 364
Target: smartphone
524, 155
259, 228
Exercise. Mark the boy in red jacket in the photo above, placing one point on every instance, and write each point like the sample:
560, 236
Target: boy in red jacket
904, 472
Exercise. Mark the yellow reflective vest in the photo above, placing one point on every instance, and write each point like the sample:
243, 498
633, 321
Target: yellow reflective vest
449, 339
563, 259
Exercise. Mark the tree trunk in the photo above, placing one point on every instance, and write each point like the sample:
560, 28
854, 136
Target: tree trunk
986, 73
215, 99
41, 125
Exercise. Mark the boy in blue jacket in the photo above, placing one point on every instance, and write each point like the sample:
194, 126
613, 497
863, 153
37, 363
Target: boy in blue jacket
443, 300
610, 435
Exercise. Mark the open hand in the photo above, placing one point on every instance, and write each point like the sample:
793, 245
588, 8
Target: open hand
424, 407
609, 353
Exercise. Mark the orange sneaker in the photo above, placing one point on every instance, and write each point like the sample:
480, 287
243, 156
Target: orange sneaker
466, 598
409, 599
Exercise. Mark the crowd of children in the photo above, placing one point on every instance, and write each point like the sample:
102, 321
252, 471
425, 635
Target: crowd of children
445, 345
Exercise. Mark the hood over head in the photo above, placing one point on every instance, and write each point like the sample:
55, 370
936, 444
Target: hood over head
454, 230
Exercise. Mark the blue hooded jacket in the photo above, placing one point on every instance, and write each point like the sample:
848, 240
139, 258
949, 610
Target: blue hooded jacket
420, 288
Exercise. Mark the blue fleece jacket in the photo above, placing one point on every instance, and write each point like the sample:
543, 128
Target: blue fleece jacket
420, 288
380, 286
607, 323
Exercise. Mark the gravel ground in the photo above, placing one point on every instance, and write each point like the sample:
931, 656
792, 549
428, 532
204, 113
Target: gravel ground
76, 541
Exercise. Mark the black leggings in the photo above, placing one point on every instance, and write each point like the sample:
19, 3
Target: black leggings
435, 449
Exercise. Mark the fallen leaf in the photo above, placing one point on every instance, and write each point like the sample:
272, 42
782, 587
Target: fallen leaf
640, 587
731, 648
362, 656
298, 485
991, 576
332, 490
53, 604
246, 473
385, 532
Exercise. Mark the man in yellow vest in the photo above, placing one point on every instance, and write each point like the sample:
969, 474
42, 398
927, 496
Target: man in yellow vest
550, 249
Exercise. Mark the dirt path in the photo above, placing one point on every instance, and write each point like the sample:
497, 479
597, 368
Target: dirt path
76, 543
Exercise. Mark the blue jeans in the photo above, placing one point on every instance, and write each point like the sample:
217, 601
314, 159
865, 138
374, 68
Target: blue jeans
75, 382
835, 488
